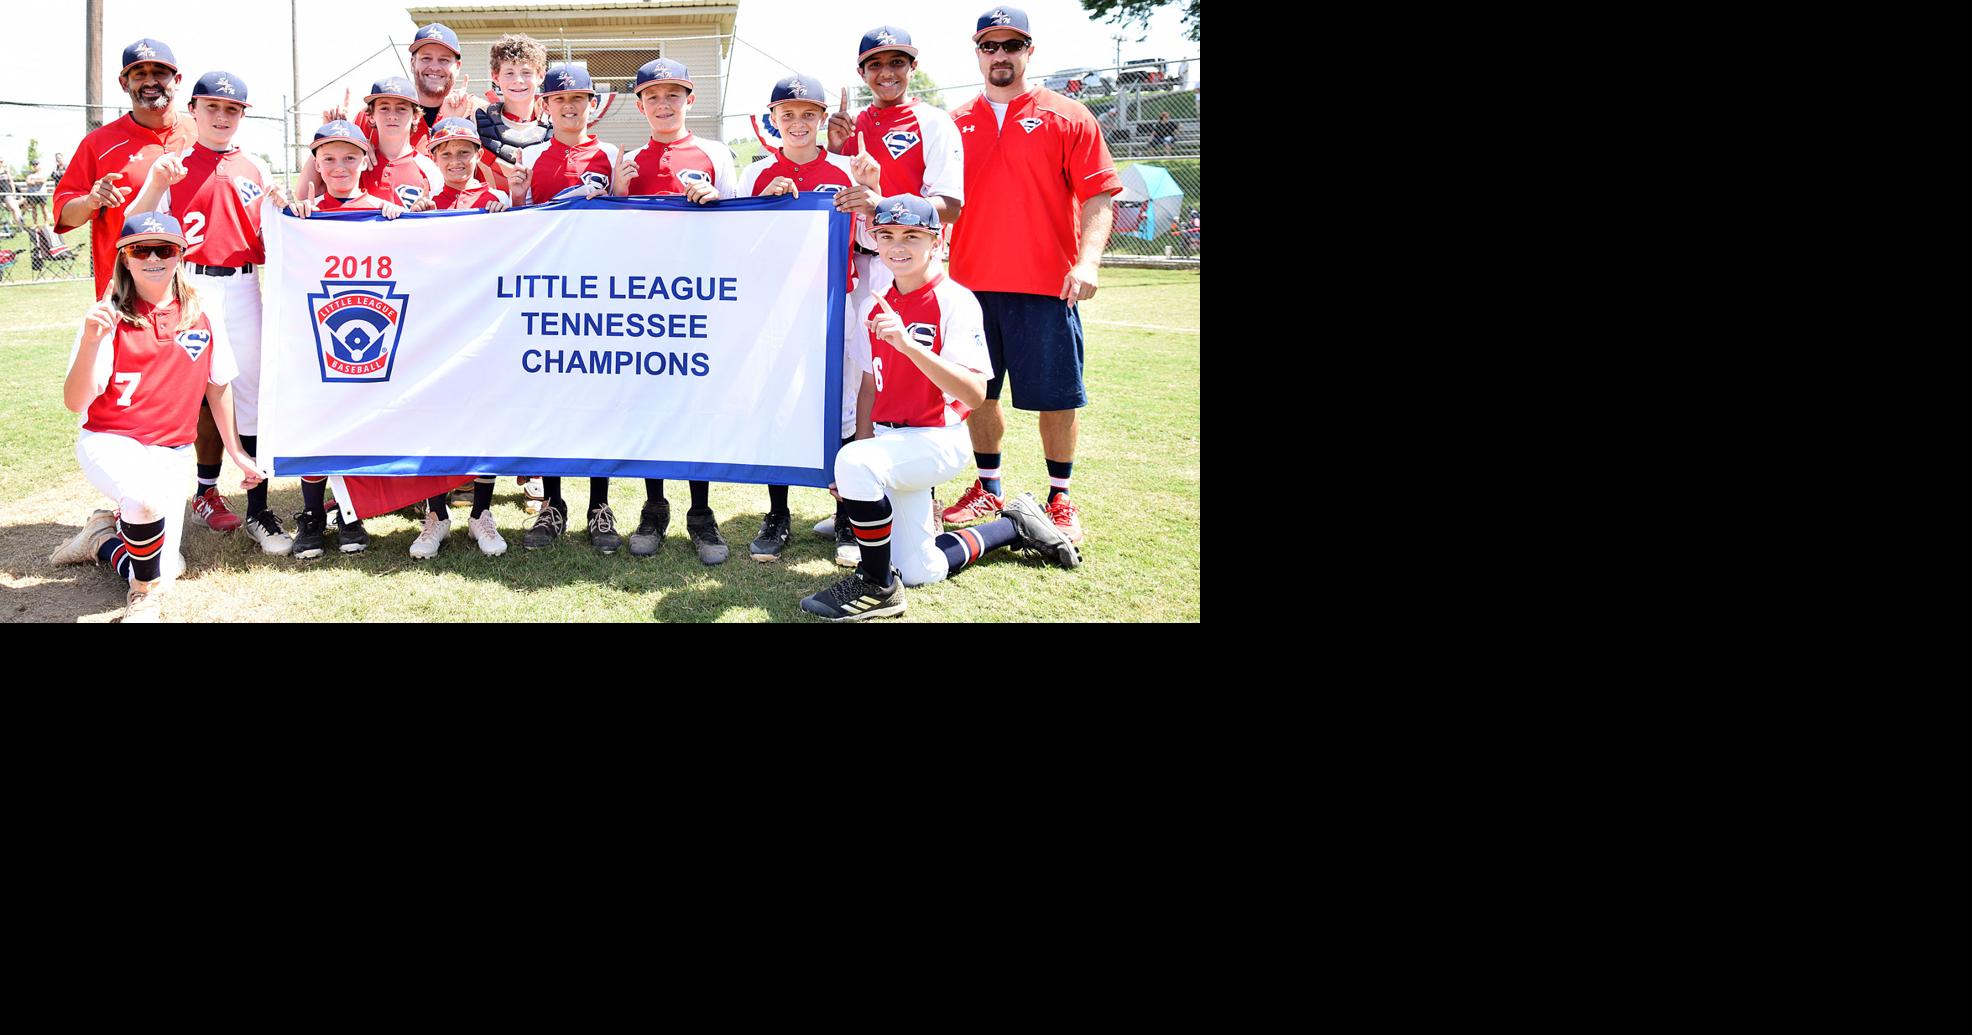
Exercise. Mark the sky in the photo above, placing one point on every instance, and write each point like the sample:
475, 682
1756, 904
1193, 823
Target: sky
340, 46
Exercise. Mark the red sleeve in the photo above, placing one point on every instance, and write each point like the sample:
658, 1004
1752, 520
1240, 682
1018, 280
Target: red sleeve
78, 179
1090, 169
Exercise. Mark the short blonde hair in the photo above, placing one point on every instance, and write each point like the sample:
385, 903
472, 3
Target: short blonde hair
520, 50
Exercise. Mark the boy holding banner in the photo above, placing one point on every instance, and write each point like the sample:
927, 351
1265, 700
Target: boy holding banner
572, 163
798, 112
675, 162
455, 145
927, 356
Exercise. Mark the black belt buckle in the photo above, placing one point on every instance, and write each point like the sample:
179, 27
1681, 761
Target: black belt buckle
860, 250
221, 271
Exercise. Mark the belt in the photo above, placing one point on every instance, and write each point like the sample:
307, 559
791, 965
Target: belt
221, 271
891, 424
860, 250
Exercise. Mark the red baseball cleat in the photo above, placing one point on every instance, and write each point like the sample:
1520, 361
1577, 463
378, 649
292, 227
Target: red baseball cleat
975, 506
1066, 517
211, 510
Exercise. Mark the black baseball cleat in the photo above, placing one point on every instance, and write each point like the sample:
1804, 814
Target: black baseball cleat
651, 523
602, 530
547, 527
1038, 532
855, 598
774, 532
351, 537
703, 527
308, 529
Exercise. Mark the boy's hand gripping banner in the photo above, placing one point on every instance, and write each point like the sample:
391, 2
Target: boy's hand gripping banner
614, 337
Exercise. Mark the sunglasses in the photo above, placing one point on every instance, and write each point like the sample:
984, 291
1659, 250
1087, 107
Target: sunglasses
906, 219
995, 46
151, 251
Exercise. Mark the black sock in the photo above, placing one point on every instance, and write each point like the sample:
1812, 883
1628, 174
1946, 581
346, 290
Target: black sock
208, 478
256, 496
438, 503
967, 545
145, 543
777, 501
482, 494
551, 489
1059, 472
598, 493
871, 520
653, 488
701, 495
312, 492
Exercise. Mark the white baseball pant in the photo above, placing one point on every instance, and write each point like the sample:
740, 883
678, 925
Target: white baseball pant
233, 304
147, 483
905, 464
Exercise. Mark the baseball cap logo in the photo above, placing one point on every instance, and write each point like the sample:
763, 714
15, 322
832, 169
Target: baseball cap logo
430, 31
885, 37
224, 85
151, 225
337, 130
897, 211
1000, 17
144, 50
795, 89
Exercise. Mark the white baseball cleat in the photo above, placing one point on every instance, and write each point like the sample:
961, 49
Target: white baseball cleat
483, 532
428, 542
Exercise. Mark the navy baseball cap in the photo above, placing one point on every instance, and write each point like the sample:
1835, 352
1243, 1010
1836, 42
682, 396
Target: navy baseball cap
148, 50
220, 86
396, 86
439, 34
799, 88
150, 226
908, 212
1003, 18
450, 129
884, 37
567, 79
341, 129
662, 70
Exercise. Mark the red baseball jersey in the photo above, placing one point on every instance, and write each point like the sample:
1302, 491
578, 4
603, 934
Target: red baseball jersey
828, 174
124, 147
331, 203
220, 203
474, 195
670, 168
945, 317
554, 167
160, 375
1025, 184
917, 147
402, 180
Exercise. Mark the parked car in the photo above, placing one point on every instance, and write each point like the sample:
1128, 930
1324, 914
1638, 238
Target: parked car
1078, 82
1143, 72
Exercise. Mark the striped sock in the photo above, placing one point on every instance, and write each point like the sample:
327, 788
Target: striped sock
1058, 474
116, 555
989, 471
145, 544
871, 520
208, 477
966, 545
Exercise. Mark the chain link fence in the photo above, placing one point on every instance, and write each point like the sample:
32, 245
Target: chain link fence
31, 252
1150, 118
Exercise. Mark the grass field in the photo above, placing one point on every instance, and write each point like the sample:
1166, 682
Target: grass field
1136, 480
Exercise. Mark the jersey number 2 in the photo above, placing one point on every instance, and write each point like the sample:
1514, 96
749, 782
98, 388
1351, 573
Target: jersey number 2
130, 389
194, 229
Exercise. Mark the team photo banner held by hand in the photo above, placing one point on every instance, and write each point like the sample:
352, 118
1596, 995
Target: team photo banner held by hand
611, 337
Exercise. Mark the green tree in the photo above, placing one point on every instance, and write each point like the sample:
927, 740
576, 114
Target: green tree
33, 151
1125, 12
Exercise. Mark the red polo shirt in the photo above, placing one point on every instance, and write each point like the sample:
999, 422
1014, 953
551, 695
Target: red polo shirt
124, 147
1024, 187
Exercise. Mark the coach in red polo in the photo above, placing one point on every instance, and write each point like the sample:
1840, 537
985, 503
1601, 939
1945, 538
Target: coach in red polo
110, 163
1038, 186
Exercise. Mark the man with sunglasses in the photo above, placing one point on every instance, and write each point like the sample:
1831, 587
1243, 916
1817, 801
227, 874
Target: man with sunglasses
1039, 184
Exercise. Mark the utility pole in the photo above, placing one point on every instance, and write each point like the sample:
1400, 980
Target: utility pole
92, 66
294, 65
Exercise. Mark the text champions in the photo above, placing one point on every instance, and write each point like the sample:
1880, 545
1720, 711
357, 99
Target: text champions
577, 324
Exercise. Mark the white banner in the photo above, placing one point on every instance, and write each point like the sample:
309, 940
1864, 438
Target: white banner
634, 337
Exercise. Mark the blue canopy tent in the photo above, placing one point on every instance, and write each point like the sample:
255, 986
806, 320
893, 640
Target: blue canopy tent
1151, 189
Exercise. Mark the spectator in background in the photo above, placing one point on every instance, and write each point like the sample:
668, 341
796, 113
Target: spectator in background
35, 187
1165, 133
61, 166
7, 198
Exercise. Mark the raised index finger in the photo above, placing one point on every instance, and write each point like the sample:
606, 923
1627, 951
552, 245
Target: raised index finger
844, 106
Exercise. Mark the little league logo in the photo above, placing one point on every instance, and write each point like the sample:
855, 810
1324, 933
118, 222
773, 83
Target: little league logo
899, 141
195, 343
357, 327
